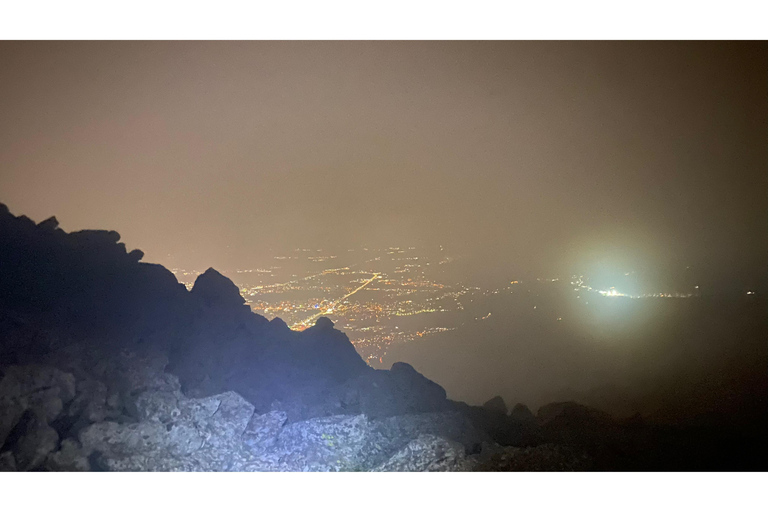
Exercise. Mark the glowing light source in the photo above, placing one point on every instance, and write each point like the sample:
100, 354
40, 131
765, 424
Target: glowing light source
610, 293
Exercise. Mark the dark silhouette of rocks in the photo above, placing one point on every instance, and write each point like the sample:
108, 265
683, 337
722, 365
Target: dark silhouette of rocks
214, 290
496, 405
90, 334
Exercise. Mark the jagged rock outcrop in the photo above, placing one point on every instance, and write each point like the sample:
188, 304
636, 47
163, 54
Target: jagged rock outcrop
216, 291
522, 415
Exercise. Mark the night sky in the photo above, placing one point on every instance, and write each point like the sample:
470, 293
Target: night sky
535, 156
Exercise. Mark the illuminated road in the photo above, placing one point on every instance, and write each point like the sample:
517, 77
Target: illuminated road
295, 281
310, 321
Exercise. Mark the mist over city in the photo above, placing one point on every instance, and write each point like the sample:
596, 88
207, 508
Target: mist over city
549, 240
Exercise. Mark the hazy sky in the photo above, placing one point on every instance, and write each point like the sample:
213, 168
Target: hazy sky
532, 155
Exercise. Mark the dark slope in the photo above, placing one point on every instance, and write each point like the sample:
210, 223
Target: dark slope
83, 288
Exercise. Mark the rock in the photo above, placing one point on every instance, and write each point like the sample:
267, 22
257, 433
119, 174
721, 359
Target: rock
199, 410
136, 255
522, 414
36, 439
69, 457
46, 403
279, 325
41, 390
175, 433
428, 453
161, 406
411, 383
10, 414
90, 401
115, 441
402, 390
7, 462
451, 425
263, 430
230, 420
335, 443
49, 224
215, 290
21, 381
547, 457
496, 405
323, 323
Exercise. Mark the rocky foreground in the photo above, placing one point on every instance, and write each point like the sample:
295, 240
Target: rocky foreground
109, 364
73, 421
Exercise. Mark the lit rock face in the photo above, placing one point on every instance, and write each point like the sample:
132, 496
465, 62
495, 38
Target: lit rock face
429, 453
263, 430
334, 443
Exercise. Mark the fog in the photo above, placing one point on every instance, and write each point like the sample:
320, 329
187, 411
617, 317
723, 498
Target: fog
535, 156
671, 360
522, 159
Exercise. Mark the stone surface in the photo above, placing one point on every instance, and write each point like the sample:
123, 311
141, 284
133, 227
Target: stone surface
496, 405
428, 453
335, 443
22, 381
36, 440
228, 423
547, 457
90, 401
69, 457
263, 429
7, 461
10, 414
215, 290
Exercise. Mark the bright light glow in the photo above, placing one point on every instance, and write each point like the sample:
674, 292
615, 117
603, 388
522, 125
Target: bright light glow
611, 293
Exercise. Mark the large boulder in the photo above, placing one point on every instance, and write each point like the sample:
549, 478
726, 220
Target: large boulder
263, 429
451, 425
335, 443
23, 382
171, 429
